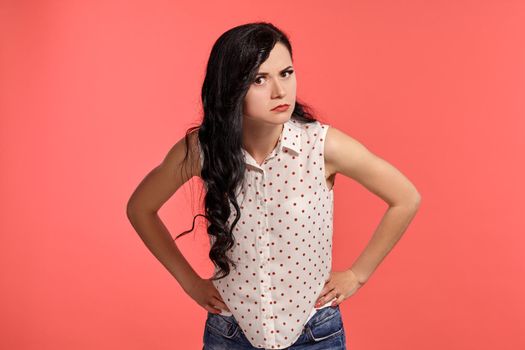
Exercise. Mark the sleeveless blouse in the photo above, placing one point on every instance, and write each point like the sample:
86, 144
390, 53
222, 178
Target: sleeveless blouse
283, 240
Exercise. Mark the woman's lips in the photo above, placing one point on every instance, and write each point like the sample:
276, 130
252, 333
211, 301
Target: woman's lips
281, 108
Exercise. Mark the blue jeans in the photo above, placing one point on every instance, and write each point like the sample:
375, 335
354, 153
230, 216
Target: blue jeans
324, 331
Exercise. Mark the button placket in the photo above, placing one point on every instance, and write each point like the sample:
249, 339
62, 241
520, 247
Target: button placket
267, 300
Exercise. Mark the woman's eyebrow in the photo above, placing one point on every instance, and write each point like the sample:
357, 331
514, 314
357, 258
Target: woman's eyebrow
264, 73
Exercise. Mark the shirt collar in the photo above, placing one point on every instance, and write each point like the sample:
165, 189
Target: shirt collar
290, 139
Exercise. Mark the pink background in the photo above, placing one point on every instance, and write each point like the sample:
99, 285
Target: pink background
94, 93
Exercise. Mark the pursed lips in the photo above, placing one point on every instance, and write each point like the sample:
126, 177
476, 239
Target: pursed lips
283, 105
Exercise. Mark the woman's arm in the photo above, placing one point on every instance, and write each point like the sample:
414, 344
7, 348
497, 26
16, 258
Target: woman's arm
154, 190
347, 156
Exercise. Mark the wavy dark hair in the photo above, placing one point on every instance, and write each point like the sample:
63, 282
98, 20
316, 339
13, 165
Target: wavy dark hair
232, 67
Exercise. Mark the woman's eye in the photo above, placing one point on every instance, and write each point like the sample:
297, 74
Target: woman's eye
289, 71
257, 79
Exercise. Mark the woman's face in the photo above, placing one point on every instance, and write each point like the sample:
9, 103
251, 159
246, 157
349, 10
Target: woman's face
275, 88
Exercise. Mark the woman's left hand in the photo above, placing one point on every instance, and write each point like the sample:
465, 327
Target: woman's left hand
340, 285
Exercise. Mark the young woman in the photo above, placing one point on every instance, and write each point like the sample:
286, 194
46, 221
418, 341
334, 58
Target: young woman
268, 168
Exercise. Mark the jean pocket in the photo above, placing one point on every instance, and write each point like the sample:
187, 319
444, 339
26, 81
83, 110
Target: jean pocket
325, 324
224, 326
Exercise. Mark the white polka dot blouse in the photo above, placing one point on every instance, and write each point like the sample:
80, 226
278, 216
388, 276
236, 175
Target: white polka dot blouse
283, 240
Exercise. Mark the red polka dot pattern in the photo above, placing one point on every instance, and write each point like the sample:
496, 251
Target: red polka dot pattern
283, 241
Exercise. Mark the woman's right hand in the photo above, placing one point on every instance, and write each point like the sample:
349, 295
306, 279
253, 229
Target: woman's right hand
206, 295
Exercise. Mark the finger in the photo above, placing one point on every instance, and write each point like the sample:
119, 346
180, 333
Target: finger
212, 309
329, 296
221, 305
327, 288
339, 300
217, 296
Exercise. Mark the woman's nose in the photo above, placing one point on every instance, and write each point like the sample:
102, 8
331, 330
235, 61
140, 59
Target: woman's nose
278, 90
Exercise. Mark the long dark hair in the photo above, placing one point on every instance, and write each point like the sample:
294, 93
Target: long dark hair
232, 67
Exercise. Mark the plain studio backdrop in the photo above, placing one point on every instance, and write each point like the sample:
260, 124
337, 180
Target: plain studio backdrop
94, 93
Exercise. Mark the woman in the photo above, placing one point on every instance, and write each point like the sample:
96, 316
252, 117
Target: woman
268, 168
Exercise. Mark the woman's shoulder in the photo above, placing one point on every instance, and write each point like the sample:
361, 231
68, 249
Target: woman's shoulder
313, 131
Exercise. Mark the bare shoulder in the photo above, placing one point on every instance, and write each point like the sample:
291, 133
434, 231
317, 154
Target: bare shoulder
343, 153
346, 155
180, 164
176, 157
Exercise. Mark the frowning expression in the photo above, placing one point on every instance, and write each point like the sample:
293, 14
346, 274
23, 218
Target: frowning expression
275, 84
